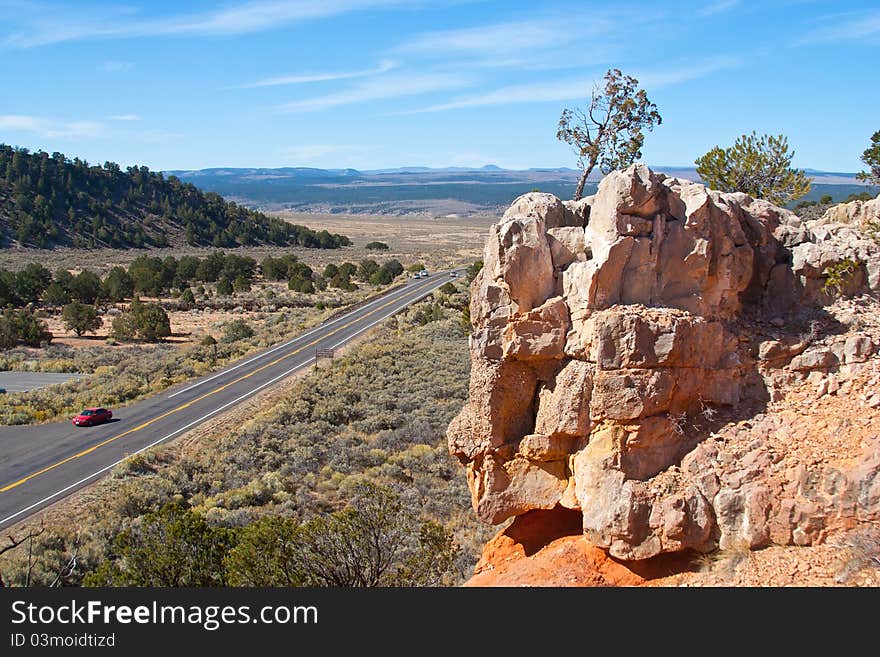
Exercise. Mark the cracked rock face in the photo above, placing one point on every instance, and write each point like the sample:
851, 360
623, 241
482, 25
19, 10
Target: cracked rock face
601, 328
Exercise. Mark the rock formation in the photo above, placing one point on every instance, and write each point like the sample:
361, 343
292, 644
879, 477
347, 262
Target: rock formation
616, 340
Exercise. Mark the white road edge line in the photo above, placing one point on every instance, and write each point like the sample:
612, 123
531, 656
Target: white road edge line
372, 324
273, 349
194, 422
154, 443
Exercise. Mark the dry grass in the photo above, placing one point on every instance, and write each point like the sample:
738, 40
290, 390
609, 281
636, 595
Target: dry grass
437, 242
724, 562
378, 413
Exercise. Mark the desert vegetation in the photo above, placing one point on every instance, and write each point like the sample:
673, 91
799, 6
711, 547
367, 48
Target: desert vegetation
758, 166
141, 304
344, 480
609, 132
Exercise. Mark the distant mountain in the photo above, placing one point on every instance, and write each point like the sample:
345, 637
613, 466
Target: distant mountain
51, 200
402, 190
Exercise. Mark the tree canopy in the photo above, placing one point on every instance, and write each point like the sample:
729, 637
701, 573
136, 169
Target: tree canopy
871, 157
50, 199
609, 132
758, 166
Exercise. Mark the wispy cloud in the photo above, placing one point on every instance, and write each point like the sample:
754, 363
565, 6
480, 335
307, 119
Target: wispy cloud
509, 38
44, 24
540, 43
718, 7
50, 128
383, 88
125, 117
576, 88
861, 26
19, 122
280, 80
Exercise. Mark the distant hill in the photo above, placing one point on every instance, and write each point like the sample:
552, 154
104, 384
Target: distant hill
49, 200
404, 190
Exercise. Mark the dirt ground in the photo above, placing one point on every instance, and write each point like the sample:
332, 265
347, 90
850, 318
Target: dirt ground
187, 327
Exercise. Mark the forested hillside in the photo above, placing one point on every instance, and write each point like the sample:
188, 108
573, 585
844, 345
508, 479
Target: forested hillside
48, 200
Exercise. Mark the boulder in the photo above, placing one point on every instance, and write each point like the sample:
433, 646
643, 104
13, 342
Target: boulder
545, 207
608, 335
857, 349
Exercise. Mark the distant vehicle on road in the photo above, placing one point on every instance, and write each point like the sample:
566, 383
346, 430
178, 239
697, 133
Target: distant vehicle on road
423, 273
453, 274
91, 416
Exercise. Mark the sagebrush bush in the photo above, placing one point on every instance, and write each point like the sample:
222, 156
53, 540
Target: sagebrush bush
376, 415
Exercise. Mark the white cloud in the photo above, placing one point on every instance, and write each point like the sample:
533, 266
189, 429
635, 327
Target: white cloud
74, 130
520, 93
383, 88
46, 24
280, 80
492, 40
540, 43
575, 89
19, 122
125, 117
864, 26
720, 6
49, 127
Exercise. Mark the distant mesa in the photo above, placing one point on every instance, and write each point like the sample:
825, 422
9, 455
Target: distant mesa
485, 189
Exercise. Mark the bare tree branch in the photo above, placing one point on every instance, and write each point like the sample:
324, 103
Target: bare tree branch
15, 542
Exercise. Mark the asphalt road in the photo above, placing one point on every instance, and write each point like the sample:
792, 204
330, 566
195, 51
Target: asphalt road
24, 381
41, 464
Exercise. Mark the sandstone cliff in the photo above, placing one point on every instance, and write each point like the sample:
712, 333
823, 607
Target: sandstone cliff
633, 354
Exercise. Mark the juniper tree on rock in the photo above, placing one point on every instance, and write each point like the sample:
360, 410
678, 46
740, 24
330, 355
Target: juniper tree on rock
871, 157
757, 166
609, 133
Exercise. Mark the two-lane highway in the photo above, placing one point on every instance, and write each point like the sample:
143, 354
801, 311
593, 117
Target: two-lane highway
41, 464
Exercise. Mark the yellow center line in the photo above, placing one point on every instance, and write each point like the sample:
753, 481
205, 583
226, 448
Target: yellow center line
197, 399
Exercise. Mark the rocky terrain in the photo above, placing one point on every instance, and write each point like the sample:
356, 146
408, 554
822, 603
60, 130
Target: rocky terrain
675, 386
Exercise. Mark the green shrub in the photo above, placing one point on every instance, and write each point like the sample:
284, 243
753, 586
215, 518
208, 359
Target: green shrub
153, 323
56, 295
224, 287
22, 327
241, 284
472, 270
80, 318
237, 329
387, 273
147, 321
171, 547
839, 275
187, 298
85, 287
117, 285
367, 268
123, 327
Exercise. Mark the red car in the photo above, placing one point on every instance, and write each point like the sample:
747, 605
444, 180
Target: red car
91, 416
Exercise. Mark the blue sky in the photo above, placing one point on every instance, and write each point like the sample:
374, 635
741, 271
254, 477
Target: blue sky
384, 83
